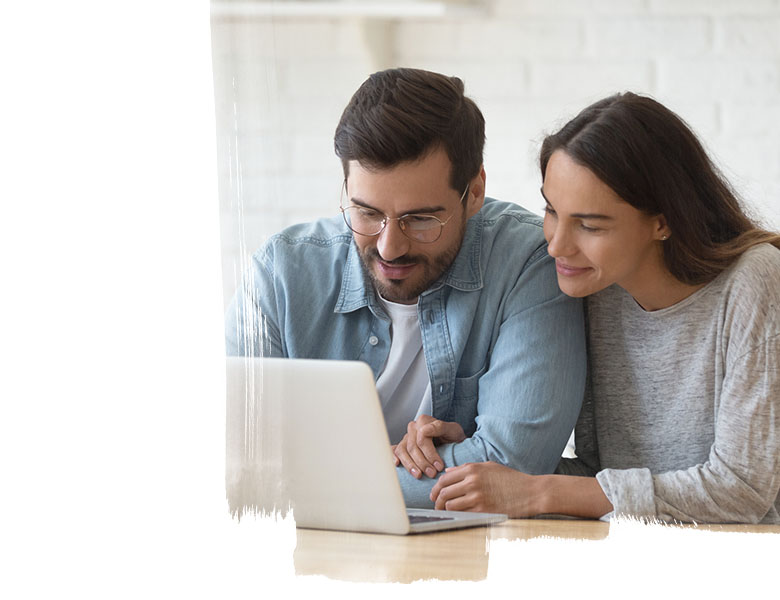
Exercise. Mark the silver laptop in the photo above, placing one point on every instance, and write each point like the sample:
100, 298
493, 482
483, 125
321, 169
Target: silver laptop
336, 463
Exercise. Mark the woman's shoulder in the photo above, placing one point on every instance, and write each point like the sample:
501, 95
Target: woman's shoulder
761, 255
754, 274
750, 292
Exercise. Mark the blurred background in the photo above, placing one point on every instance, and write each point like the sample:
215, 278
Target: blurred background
283, 72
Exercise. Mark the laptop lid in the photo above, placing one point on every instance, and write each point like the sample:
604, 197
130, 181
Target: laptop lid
337, 466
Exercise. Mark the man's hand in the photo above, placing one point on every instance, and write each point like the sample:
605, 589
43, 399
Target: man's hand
486, 487
417, 451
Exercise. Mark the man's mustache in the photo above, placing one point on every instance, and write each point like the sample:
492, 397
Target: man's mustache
406, 259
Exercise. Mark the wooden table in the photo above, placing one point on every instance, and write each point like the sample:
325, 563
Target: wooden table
450, 555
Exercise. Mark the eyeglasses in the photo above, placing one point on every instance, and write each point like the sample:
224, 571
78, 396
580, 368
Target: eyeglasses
367, 221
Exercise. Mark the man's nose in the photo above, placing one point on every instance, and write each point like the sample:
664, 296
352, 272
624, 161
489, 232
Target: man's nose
392, 243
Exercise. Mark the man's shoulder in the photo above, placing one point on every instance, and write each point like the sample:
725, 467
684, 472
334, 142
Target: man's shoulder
316, 249
511, 231
510, 215
322, 233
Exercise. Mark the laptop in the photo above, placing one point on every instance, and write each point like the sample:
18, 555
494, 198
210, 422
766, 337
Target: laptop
336, 464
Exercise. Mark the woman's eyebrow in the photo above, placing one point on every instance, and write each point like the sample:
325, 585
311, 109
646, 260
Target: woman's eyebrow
592, 216
581, 215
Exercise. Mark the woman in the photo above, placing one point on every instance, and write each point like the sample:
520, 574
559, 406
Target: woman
681, 419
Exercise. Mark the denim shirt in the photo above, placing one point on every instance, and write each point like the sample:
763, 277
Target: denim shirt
505, 349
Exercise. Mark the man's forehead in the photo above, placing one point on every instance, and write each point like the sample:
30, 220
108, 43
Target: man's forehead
428, 175
395, 198
433, 153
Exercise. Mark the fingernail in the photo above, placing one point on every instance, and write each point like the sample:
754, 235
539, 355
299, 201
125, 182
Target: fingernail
438, 465
415, 472
430, 472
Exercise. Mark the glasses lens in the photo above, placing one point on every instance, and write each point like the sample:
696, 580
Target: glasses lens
422, 228
363, 220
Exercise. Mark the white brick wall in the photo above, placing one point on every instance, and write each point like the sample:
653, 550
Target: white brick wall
281, 85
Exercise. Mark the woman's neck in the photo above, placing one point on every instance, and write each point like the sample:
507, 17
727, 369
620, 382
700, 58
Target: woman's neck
661, 290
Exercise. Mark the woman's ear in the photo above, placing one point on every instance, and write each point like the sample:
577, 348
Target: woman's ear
476, 193
662, 231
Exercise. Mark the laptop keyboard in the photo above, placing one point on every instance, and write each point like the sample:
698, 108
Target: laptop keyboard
427, 519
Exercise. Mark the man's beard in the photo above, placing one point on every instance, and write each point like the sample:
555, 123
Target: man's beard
432, 268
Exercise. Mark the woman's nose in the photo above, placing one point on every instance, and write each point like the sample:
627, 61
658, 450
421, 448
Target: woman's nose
558, 241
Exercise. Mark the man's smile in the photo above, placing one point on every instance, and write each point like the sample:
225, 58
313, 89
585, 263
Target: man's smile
394, 270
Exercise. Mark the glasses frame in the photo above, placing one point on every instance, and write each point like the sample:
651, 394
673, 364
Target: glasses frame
401, 225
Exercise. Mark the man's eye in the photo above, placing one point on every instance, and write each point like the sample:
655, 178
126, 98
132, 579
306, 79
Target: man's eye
421, 222
548, 209
589, 229
368, 213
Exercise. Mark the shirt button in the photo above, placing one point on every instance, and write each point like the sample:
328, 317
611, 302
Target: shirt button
373, 340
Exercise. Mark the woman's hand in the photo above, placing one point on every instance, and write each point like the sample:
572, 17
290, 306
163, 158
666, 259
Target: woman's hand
417, 451
490, 487
487, 487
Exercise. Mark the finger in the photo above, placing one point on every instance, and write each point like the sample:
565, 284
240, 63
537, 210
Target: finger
447, 431
424, 420
447, 479
396, 462
451, 496
457, 468
407, 462
418, 456
428, 449
432, 429
405, 448
467, 502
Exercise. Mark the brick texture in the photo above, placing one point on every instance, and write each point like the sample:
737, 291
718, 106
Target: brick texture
281, 84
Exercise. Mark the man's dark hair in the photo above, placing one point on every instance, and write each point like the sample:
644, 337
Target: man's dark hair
653, 161
401, 115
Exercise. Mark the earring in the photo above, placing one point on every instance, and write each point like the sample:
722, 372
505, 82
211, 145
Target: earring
664, 237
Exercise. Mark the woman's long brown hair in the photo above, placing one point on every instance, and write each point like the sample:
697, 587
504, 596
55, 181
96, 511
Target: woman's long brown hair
652, 160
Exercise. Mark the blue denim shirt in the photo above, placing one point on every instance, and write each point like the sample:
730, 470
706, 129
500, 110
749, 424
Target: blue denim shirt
505, 348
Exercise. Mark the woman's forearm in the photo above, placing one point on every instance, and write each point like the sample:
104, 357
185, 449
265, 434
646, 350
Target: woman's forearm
491, 487
570, 495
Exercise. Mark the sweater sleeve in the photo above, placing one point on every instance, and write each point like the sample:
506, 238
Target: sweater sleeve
740, 480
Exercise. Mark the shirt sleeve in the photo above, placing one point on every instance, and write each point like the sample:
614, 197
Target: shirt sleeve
251, 318
586, 463
531, 393
740, 480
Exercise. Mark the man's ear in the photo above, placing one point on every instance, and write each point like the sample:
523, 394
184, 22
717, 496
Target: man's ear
476, 193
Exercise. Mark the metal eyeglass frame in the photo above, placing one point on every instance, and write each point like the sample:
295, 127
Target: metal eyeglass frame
401, 222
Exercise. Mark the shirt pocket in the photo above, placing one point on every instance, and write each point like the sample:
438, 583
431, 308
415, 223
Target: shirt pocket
465, 399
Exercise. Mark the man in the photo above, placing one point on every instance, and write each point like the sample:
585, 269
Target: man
450, 298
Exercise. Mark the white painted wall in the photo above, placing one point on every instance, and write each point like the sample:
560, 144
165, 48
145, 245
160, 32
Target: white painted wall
281, 84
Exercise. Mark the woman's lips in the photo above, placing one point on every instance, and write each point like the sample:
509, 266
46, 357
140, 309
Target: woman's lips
569, 270
395, 271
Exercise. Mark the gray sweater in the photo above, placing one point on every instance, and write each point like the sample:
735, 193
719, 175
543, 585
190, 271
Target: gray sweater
681, 418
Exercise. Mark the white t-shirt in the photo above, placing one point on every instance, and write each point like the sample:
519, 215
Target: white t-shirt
404, 386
